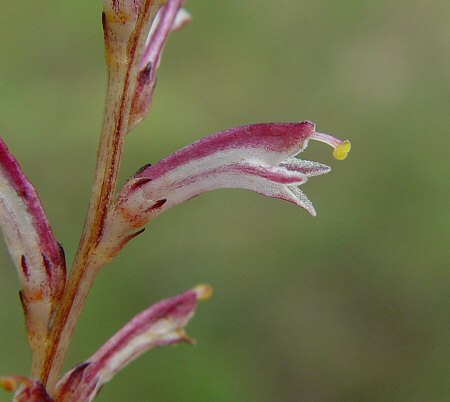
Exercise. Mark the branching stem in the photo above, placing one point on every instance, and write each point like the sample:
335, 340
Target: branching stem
121, 86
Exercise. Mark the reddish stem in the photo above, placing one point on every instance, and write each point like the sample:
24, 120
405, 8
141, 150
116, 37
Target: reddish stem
121, 87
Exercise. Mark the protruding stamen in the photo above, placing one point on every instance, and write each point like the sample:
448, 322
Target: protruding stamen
8, 383
203, 291
341, 148
11, 383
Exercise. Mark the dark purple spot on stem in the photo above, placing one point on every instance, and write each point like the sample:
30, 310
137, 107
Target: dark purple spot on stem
62, 254
74, 379
133, 235
139, 183
148, 67
24, 265
47, 265
144, 76
130, 237
62, 257
105, 28
142, 169
22, 302
158, 204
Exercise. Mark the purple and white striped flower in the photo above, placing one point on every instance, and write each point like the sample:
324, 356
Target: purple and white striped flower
170, 17
160, 325
128, 29
37, 255
258, 157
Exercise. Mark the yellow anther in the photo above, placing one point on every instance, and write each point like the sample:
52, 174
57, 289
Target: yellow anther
203, 291
342, 150
8, 384
11, 383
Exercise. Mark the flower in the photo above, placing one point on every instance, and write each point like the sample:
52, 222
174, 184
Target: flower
161, 324
136, 32
38, 257
170, 17
258, 157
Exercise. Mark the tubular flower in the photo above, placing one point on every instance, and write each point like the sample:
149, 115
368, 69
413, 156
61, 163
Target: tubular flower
138, 30
170, 17
161, 324
37, 255
258, 157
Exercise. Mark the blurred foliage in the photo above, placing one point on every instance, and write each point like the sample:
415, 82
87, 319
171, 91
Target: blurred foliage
350, 306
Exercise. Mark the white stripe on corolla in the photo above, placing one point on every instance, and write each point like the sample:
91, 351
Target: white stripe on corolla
259, 157
38, 257
161, 324
170, 17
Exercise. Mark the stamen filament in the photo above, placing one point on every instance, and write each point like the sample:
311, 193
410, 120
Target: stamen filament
341, 148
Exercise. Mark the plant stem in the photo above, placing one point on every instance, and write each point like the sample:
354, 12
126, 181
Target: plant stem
87, 264
122, 78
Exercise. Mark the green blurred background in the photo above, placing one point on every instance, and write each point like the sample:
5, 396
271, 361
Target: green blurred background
350, 306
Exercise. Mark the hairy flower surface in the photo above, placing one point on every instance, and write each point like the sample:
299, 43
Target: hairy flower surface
161, 324
170, 17
258, 157
38, 257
